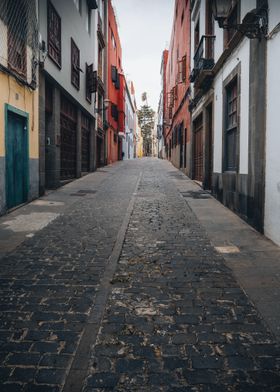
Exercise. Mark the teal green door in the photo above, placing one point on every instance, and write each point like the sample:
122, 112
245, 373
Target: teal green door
16, 160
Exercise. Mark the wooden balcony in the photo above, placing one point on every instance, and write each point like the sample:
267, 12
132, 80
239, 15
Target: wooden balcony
201, 74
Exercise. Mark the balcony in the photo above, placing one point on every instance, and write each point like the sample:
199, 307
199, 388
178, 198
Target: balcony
204, 62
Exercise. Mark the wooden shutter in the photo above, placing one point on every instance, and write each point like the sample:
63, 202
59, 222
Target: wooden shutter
75, 65
114, 73
54, 35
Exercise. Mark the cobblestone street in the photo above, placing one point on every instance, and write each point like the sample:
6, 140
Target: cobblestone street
125, 291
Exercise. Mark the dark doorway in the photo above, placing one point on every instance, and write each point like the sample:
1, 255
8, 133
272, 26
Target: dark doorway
68, 132
85, 143
181, 141
99, 151
185, 149
198, 149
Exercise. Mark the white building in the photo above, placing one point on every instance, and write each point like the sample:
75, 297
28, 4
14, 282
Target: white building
272, 168
72, 37
160, 125
234, 110
130, 123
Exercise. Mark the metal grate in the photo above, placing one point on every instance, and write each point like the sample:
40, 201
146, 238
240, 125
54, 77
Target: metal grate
19, 46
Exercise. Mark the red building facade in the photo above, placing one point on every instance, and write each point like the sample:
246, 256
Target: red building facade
177, 121
116, 88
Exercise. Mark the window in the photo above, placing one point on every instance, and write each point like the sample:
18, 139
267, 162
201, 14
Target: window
210, 28
114, 73
196, 35
17, 37
117, 84
54, 35
233, 19
100, 103
114, 112
231, 126
90, 82
75, 65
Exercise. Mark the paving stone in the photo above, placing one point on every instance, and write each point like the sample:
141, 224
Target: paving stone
50, 376
175, 318
103, 380
196, 324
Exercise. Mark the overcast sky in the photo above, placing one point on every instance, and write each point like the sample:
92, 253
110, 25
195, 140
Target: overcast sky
144, 28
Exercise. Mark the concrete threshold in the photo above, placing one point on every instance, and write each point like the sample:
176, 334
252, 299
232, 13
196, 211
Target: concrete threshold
254, 260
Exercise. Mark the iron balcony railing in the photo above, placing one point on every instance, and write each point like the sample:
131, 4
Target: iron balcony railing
204, 56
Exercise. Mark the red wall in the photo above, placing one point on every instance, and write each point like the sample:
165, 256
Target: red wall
179, 47
115, 96
165, 59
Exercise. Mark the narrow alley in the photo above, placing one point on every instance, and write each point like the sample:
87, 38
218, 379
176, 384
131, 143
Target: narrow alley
133, 286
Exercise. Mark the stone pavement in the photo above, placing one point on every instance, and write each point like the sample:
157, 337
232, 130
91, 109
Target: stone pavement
124, 291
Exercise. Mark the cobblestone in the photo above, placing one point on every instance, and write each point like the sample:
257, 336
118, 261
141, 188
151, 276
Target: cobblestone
188, 324
176, 319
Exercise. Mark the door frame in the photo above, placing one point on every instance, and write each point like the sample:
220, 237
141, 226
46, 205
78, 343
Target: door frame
209, 144
11, 109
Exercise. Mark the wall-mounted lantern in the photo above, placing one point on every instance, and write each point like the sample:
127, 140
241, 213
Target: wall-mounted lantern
106, 104
254, 24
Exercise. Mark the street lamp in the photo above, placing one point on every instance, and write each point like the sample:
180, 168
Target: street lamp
221, 10
254, 23
106, 104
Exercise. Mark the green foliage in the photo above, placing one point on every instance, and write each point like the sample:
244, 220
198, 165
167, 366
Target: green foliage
146, 120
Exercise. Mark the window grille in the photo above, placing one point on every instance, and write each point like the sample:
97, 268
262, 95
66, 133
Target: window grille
114, 73
75, 65
117, 84
114, 112
19, 47
231, 124
54, 35
91, 84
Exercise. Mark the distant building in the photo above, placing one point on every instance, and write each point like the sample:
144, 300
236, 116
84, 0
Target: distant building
19, 99
176, 117
162, 107
116, 91
69, 75
128, 142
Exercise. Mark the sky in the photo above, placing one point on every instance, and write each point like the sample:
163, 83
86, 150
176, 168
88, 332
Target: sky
144, 29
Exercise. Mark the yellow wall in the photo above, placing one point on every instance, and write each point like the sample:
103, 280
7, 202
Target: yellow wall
24, 99
140, 148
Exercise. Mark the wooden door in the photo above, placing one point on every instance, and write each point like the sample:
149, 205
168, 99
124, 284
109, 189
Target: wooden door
209, 152
16, 160
68, 135
198, 149
181, 141
85, 143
